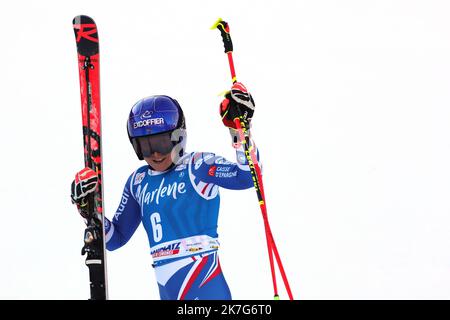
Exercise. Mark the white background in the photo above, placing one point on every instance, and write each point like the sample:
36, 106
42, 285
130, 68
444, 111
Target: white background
352, 122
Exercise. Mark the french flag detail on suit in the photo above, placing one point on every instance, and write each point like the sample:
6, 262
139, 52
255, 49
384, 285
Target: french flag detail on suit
191, 277
195, 278
213, 271
206, 190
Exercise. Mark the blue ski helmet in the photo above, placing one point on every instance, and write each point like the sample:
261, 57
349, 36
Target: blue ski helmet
155, 115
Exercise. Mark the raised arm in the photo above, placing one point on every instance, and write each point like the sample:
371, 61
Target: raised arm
217, 170
212, 169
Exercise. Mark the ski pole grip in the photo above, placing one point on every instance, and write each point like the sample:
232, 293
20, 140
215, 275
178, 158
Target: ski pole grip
225, 33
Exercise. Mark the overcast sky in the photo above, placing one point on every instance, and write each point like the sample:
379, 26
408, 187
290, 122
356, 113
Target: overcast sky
352, 121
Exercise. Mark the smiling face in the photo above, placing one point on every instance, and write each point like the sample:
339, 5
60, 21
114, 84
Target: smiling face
156, 150
158, 161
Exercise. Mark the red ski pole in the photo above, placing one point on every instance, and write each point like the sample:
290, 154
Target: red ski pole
254, 167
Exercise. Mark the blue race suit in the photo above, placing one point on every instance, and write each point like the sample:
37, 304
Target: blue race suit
179, 210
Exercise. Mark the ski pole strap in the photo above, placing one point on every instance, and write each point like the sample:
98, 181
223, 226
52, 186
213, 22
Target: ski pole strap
225, 32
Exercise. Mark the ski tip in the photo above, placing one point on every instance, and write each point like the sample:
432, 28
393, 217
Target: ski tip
82, 19
218, 21
86, 35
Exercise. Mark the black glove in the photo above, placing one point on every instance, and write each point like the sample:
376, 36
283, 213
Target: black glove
237, 102
82, 187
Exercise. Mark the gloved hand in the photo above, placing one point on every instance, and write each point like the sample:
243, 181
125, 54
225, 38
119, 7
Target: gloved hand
237, 102
85, 183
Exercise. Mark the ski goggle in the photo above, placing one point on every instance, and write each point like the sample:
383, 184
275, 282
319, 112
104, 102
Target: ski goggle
160, 143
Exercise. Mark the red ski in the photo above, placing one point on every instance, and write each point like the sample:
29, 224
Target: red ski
89, 69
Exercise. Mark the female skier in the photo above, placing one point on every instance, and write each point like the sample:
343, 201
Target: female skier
175, 196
